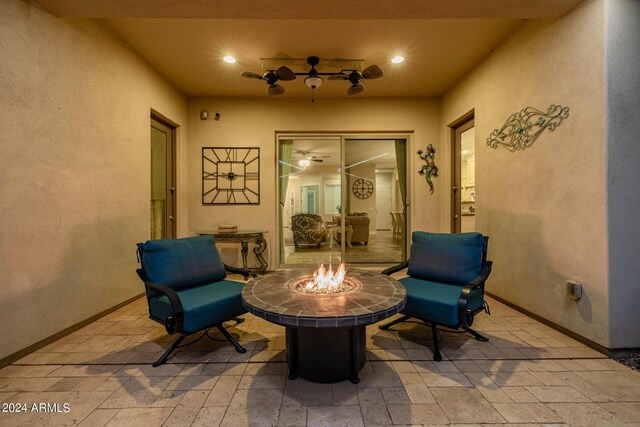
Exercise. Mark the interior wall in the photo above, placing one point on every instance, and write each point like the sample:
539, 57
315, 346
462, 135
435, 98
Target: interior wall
74, 170
254, 122
544, 208
368, 205
622, 52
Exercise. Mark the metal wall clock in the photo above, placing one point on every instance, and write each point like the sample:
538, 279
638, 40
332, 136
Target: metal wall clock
230, 176
362, 188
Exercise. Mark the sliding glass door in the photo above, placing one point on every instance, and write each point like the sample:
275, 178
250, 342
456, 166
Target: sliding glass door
375, 200
342, 200
310, 197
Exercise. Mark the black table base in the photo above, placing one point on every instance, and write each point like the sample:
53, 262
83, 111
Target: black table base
326, 355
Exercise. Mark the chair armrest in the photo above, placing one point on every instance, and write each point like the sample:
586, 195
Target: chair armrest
173, 323
389, 271
465, 316
244, 272
483, 276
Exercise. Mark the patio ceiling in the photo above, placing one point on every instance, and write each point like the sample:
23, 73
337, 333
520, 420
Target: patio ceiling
185, 41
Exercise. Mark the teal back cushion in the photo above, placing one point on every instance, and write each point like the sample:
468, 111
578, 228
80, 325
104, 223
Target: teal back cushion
182, 263
448, 258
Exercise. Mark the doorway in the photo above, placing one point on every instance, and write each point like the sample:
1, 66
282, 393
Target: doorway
338, 195
463, 162
163, 186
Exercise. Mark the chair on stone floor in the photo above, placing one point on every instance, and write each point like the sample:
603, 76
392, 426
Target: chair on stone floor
445, 283
186, 288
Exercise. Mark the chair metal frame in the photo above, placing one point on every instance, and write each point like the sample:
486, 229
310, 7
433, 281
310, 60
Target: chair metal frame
174, 322
465, 316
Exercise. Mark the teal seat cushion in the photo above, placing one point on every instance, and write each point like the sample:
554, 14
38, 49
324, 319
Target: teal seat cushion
437, 302
449, 258
182, 263
203, 305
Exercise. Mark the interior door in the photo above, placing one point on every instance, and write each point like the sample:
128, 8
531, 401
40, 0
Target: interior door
462, 131
163, 205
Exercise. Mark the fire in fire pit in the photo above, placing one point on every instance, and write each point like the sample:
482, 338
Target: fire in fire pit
325, 281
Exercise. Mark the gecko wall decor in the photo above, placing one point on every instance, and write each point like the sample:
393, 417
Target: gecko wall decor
430, 169
523, 128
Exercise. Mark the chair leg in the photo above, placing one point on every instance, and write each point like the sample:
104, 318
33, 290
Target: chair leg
394, 322
436, 347
166, 354
232, 340
238, 320
475, 334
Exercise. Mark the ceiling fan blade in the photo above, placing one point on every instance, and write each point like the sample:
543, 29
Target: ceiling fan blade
317, 160
275, 90
285, 73
355, 89
372, 72
339, 77
250, 75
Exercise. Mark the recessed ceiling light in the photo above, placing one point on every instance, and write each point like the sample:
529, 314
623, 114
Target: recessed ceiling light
397, 59
229, 59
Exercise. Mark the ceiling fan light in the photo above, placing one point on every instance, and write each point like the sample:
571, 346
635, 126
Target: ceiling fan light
229, 59
313, 82
397, 59
304, 163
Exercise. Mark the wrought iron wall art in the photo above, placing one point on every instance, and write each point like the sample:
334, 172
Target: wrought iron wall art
230, 176
430, 169
522, 129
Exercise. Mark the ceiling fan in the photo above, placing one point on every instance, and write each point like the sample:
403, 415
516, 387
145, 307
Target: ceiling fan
313, 77
272, 77
311, 156
354, 76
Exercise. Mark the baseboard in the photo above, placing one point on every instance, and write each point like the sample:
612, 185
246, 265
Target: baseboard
37, 346
586, 341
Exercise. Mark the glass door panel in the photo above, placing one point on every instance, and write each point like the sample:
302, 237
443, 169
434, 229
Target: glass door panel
162, 184
310, 195
375, 200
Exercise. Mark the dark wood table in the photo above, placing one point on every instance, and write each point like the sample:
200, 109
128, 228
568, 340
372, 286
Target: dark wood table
325, 334
244, 238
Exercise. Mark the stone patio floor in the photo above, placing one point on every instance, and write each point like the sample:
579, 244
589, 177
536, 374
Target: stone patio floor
527, 374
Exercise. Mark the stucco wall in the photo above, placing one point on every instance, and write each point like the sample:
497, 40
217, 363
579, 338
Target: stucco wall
622, 52
74, 170
545, 207
254, 122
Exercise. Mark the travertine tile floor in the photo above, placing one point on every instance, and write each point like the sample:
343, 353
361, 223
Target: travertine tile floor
526, 374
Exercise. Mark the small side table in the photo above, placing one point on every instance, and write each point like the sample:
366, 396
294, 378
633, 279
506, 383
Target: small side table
333, 230
244, 237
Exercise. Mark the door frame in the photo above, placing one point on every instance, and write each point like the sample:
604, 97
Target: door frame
458, 127
343, 136
162, 124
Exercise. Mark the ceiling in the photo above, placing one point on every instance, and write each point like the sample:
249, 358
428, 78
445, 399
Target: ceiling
186, 40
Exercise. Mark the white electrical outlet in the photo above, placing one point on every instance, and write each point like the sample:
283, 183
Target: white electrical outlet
574, 289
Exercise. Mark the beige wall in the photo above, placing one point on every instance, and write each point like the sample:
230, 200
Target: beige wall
74, 170
544, 208
254, 122
622, 52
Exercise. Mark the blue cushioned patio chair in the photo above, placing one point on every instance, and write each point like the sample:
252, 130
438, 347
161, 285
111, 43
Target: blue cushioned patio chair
446, 279
186, 290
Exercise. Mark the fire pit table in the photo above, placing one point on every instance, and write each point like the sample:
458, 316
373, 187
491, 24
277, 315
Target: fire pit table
325, 328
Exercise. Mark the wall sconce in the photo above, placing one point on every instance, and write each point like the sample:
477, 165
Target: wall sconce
205, 115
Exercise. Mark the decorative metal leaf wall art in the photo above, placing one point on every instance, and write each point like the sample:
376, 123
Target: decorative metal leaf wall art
522, 129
